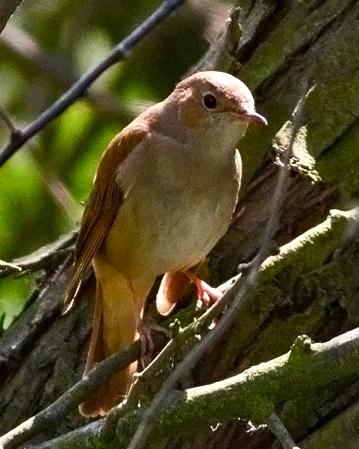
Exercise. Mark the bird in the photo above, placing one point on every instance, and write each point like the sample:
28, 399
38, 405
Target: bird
163, 195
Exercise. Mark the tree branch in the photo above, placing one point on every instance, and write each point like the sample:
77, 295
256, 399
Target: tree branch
55, 69
40, 258
252, 394
280, 431
301, 249
71, 398
120, 52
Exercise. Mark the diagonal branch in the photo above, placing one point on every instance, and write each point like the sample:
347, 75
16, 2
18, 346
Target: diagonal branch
9, 124
78, 89
252, 394
330, 230
277, 427
71, 398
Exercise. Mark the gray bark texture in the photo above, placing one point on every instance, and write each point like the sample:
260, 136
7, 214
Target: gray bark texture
308, 287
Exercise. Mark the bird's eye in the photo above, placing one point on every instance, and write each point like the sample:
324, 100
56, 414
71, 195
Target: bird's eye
210, 101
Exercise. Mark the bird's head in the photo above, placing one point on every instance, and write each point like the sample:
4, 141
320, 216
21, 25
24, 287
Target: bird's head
210, 98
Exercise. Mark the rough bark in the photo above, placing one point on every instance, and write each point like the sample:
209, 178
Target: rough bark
309, 288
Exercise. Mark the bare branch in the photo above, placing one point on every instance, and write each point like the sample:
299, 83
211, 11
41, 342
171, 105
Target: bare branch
55, 69
71, 398
8, 7
320, 364
120, 52
8, 122
280, 431
41, 257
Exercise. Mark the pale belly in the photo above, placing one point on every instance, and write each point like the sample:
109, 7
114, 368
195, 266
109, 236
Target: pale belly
161, 230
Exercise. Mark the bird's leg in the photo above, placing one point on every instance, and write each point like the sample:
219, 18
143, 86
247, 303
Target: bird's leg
206, 294
139, 289
144, 328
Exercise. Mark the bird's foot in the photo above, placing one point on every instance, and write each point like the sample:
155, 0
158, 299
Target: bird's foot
207, 295
144, 328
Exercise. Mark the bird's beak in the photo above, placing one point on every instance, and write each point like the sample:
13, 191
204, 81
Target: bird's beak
254, 117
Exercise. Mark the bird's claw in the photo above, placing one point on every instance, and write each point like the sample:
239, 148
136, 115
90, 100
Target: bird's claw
144, 328
207, 295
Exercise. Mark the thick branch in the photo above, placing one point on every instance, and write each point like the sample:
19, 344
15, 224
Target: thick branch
326, 236
253, 394
74, 396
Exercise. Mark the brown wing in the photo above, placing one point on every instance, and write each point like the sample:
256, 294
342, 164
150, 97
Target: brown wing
101, 208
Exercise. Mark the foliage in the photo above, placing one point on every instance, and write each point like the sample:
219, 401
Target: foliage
42, 187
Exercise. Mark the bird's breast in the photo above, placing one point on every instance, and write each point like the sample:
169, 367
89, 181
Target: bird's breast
173, 214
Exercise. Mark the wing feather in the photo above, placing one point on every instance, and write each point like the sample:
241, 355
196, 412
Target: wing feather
102, 207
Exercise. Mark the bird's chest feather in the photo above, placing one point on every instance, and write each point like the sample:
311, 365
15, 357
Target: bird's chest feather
173, 217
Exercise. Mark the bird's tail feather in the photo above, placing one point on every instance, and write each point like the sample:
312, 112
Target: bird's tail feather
118, 307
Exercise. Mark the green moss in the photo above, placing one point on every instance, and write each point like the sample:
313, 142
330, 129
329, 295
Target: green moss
342, 161
277, 338
309, 250
302, 160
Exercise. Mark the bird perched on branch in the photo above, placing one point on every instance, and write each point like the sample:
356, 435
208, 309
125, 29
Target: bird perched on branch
164, 194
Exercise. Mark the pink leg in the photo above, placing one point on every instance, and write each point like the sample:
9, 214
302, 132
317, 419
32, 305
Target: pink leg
206, 294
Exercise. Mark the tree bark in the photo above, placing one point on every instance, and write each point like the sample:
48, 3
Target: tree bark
310, 287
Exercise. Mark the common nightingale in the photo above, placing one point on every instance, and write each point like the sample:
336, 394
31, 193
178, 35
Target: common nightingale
164, 194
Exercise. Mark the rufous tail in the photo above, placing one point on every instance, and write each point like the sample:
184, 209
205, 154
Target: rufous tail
118, 306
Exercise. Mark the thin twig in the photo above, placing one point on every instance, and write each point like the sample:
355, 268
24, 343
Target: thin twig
278, 429
40, 258
97, 376
9, 266
120, 52
227, 399
72, 397
8, 122
56, 70
242, 287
